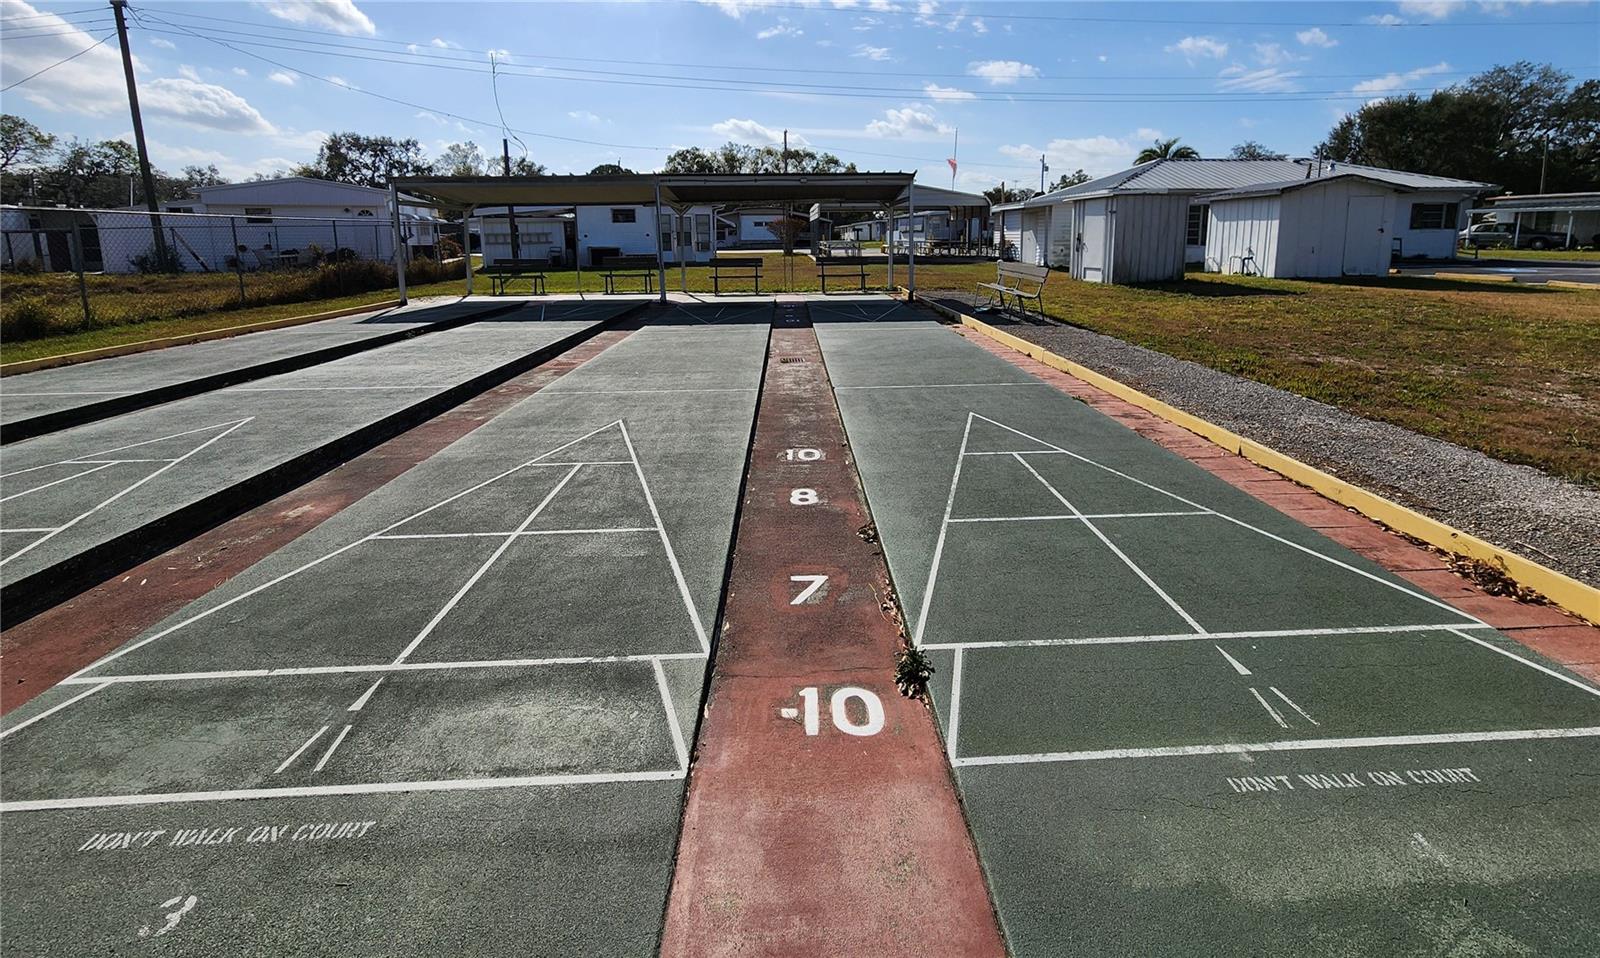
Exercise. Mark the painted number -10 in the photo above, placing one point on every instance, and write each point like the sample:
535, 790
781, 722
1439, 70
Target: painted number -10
838, 706
802, 455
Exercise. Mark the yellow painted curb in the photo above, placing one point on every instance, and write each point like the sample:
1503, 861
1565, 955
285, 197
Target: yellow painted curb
1569, 284
1475, 277
1568, 593
145, 345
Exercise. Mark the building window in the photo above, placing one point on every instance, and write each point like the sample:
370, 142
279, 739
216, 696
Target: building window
258, 214
1434, 216
363, 213
622, 215
1199, 218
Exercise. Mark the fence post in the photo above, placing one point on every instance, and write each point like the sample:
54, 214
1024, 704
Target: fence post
400, 249
338, 265
77, 267
238, 258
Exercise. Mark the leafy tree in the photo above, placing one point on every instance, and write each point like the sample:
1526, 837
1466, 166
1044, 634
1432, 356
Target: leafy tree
1496, 127
610, 169
1167, 150
88, 174
1251, 150
742, 158
787, 228
461, 159
22, 144
1070, 179
366, 160
522, 166
690, 159
998, 196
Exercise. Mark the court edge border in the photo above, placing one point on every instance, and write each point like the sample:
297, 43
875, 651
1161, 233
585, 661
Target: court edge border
1566, 592
148, 345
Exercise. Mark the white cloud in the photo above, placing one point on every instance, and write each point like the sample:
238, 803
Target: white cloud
1315, 37
189, 73
1432, 9
443, 44
1386, 20
912, 122
871, 53
340, 16
240, 72
1002, 72
944, 93
1095, 155
749, 131
1394, 81
584, 116
1272, 54
738, 8
201, 104
978, 26
1241, 79
341, 81
1102, 58
783, 29
163, 43
1194, 48
278, 76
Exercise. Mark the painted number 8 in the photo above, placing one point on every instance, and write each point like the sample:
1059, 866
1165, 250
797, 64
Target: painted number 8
803, 497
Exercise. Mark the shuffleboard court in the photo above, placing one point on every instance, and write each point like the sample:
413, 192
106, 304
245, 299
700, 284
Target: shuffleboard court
453, 719
52, 399
1180, 721
76, 503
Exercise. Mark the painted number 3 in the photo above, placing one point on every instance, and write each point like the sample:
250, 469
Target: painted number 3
839, 707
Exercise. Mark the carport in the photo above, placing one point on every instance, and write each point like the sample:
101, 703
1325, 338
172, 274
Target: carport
662, 191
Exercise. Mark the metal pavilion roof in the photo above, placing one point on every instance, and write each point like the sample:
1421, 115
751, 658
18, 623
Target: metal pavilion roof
641, 189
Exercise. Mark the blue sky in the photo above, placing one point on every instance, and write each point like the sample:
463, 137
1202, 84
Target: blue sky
883, 83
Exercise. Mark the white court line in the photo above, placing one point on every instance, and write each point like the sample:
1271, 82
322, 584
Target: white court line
84, 515
40, 529
52, 710
327, 389
56, 482
114, 462
374, 668
132, 445
613, 392
1310, 744
8, 394
361, 702
1237, 665
323, 558
672, 557
954, 729
1192, 636
1456, 630
1025, 452
1080, 516
311, 791
938, 546
672, 716
1240, 522
1169, 600
332, 748
529, 532
466, 587
301, 750
944, 386
1290, 702
1276, 716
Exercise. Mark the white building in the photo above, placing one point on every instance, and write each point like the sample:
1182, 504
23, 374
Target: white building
1147, 223
597, 233
1575, 216
311, 198
1352, 221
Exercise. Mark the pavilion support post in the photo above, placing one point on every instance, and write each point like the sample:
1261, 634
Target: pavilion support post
466, 243
888, 242
683, 259
399, 242
661, 263
911, 246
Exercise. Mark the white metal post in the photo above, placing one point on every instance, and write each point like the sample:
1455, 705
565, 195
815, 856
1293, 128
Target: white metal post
661, 263
911, 246
466, 243
888, 241
683, 264
399, 242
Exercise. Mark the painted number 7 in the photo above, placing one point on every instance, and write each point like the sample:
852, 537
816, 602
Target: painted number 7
813, 583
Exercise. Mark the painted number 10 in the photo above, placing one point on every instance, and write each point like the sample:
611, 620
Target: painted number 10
838, 706
802, 455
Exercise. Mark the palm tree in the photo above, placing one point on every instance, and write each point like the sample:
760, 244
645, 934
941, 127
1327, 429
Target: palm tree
1167, 150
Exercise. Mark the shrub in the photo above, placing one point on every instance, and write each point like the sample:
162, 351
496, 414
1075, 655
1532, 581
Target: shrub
448, 247
25, 317
26, 267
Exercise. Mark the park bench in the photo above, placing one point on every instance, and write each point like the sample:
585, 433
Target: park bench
635, 267
848, 266
502, 271
1021, 281
743, 267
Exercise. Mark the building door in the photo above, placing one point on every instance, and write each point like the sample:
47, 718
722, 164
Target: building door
1092, 241
1363, 236
1035, 226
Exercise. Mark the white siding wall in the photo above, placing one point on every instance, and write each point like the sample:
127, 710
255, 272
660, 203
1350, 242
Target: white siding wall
638, 238
537, 238
1010, 227
1062, 233
1313, 225
1434, 244
1147, 240
204, 240
1035, 235
1242, 228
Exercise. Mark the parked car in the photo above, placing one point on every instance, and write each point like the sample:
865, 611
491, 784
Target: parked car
1499, 234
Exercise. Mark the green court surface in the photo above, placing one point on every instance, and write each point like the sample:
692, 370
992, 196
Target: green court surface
1183, 723
452, 719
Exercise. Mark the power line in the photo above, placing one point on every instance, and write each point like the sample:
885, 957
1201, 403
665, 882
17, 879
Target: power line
667, 82
82, 27
52, 66
55, 16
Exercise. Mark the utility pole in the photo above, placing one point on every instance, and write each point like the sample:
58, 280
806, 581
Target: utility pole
138, 136
785, 151
511, 213
1043, 169
1544, 161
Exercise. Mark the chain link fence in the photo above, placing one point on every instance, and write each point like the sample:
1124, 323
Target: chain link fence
64, 270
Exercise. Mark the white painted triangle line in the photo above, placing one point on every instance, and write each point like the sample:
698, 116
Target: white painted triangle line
1276, 717
1290, 702
666, 543
1237, 665
301, 750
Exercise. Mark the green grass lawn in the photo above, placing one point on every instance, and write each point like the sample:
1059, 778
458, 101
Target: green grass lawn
1537, 255
1513, 371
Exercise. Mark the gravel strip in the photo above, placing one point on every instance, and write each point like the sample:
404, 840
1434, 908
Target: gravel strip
1551, 521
